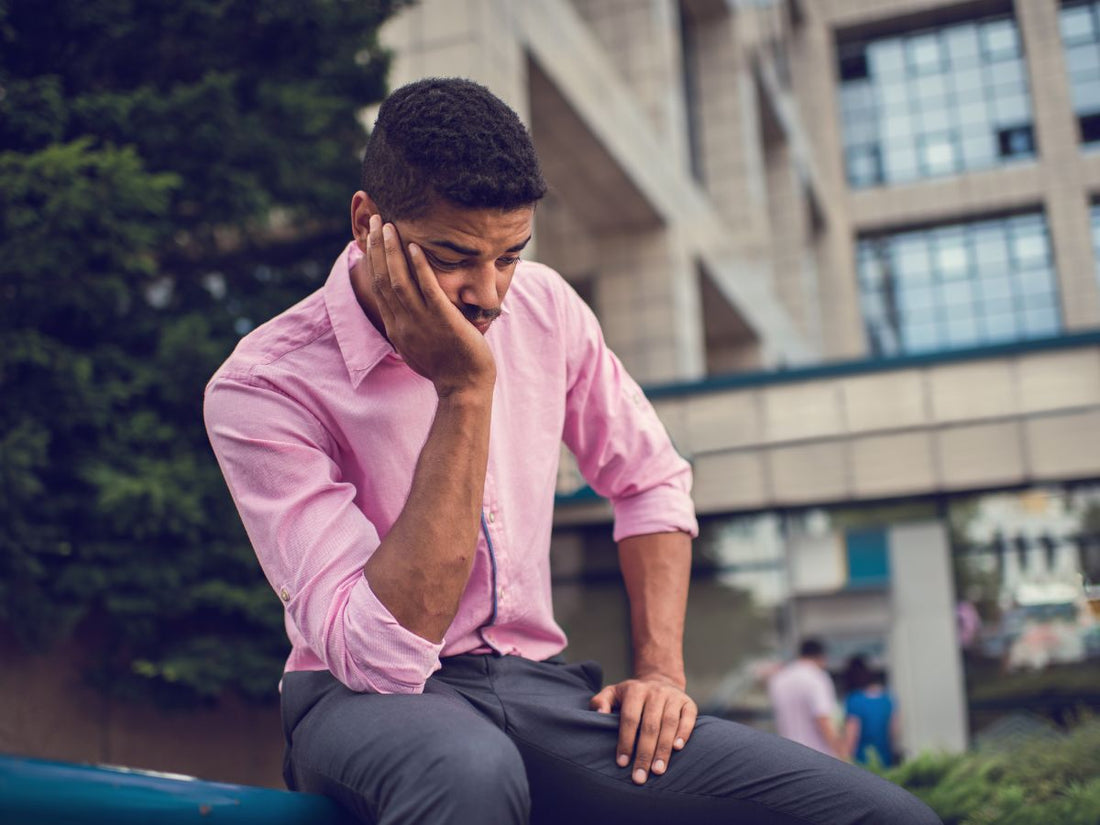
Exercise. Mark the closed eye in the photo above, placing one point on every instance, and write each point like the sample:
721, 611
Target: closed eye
441, 265
507, 260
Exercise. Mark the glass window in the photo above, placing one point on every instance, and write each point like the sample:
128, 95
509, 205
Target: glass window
864, 164
935, 102
990, 243
1081, 42
979, 150
1016, 142
1086, 95
912, 259
962, 285
963, 48
735, 616
1002, 327
938, 155
901, 161
925, 54
1078, 24
1083, 60
1000, 40
1026, 567
886, 58
951, 252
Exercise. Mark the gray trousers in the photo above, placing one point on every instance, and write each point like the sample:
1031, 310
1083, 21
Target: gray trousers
498, 740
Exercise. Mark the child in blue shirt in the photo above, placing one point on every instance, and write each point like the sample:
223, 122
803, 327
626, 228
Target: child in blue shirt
870, 714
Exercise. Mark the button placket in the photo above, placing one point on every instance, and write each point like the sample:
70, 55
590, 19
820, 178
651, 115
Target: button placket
491, 510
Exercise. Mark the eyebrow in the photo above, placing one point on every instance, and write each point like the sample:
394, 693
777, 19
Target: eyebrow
473, 253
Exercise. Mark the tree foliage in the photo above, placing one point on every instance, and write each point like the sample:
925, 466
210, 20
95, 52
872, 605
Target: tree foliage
171, 173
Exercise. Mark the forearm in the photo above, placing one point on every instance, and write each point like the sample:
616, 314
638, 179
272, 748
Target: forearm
832, 738
420, 569
851, 735
656, 569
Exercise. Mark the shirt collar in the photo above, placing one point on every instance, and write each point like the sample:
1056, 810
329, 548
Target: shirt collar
362, 346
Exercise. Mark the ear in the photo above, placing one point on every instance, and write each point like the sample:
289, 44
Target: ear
362, 207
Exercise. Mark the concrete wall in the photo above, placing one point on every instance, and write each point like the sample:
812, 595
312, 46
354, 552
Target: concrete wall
984, 423
47, 711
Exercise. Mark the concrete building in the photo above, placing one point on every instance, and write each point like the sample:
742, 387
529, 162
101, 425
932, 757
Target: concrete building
850, 248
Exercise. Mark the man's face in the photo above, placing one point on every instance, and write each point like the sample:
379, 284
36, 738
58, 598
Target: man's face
473, 252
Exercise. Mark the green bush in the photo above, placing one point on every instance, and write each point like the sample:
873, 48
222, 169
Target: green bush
1037, 782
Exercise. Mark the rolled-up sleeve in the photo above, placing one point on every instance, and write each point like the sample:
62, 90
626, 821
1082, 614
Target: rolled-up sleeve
311, 538
621, 446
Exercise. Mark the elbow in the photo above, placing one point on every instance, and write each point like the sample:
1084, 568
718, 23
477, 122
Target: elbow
368, 651
363, 670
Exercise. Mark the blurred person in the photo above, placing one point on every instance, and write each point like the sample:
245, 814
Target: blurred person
391, 443
804, 700
968, 624
870, 718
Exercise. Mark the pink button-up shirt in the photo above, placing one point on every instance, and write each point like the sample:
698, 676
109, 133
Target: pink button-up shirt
317, 425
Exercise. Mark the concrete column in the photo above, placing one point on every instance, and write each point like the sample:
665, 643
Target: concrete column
728, 125
790, 234
477, 39
1066, 200
924, 651
812, 51
647, 297
642, 40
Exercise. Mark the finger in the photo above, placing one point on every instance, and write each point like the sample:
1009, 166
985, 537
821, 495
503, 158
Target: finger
670, 727
604, 701
425, 278
688, 714
377, 254
631, 707
648, 733
402, 286
378, 286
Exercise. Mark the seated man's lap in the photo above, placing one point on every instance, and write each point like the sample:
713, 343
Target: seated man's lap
421, 758
726, 773
480, 715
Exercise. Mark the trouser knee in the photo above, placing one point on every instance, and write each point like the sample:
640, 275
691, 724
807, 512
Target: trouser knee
472, 780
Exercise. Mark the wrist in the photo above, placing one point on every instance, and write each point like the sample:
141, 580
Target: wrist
475, 389
474, 393
677, 680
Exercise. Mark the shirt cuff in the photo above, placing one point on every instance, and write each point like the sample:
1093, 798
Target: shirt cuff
386, 656
664, 509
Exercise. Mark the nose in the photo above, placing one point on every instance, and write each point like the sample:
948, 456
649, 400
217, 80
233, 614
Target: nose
480, 287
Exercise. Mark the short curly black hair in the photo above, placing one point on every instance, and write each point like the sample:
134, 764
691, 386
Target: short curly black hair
453, 139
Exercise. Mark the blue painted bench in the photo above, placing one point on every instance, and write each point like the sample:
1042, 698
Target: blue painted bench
41, 792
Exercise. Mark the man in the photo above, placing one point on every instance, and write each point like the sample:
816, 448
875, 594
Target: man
392, 443
804, 700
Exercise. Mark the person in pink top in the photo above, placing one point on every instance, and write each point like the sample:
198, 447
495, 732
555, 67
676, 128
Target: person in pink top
804, 701
392, 443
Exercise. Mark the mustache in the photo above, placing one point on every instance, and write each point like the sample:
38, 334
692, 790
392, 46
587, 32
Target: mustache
474, 314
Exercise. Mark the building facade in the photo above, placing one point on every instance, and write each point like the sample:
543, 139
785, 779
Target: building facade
850, 247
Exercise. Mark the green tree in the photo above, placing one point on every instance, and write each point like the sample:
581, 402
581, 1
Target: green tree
171, 173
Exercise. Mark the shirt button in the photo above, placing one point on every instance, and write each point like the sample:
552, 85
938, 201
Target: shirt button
284, 595
492, 516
